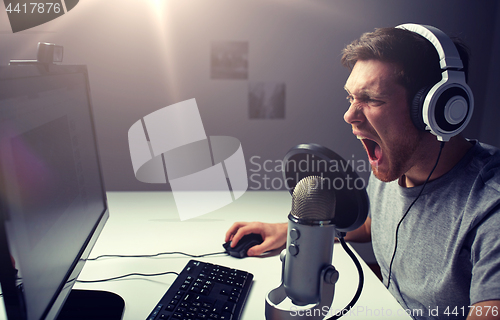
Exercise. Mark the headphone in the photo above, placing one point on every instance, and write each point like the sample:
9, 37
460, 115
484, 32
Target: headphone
446, 107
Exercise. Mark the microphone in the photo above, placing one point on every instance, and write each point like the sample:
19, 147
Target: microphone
310, 239
308, 277
324, 205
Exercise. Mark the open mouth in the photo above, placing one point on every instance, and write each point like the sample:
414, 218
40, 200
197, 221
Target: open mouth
372, 149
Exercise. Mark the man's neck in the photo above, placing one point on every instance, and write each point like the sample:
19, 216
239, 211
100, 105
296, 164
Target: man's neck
452, 152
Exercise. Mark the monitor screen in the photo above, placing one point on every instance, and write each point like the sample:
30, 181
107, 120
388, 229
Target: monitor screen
53, 202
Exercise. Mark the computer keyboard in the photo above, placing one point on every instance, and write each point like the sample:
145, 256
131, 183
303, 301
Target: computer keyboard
204, 291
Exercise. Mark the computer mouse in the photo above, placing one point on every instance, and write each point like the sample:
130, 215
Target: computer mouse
245, 243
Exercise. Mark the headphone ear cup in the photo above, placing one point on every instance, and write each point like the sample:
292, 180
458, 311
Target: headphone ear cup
417, 107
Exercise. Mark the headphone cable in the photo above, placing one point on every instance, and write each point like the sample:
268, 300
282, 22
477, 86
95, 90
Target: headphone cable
408, 210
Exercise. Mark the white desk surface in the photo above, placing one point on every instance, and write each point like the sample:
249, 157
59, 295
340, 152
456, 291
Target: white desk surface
148, 223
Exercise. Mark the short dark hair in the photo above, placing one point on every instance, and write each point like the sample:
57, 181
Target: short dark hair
416, 59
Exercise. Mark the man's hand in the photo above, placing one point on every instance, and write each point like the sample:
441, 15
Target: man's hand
485, 310
273, 234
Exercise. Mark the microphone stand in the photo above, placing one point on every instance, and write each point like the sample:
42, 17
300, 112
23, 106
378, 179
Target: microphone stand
328, 277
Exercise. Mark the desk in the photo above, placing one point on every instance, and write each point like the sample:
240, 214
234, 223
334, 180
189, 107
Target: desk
147, 223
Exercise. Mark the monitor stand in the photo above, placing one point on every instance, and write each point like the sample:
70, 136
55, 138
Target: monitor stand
92, 304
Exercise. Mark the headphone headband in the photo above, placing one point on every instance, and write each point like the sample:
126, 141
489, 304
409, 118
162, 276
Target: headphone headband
449, 58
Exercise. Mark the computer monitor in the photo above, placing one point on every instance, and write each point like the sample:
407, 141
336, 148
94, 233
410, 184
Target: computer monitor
52, 199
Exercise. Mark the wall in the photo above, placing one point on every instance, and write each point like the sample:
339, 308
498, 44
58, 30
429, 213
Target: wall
491, 114
144, 55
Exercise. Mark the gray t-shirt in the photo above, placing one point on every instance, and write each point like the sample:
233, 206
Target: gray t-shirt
448, 251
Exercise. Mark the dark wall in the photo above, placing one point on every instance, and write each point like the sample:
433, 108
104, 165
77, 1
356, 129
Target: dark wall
145, 55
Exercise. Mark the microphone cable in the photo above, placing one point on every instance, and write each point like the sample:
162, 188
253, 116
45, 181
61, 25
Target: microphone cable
408, 210
360, 284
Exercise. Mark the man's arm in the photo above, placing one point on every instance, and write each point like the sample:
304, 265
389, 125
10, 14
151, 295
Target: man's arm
485, 310
361, 234
274, 234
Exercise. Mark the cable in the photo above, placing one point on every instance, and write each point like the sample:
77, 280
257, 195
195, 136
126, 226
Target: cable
143, 256
128, 275
154, 255
408, 210
360, 284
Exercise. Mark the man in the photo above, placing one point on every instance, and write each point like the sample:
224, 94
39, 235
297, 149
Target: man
435, 208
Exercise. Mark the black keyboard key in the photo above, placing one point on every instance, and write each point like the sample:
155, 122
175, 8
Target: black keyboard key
225, 316
204, 291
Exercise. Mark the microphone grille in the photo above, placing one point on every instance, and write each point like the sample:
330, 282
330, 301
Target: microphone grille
313, 200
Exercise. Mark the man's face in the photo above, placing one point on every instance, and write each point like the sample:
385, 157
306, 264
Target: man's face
380, 118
